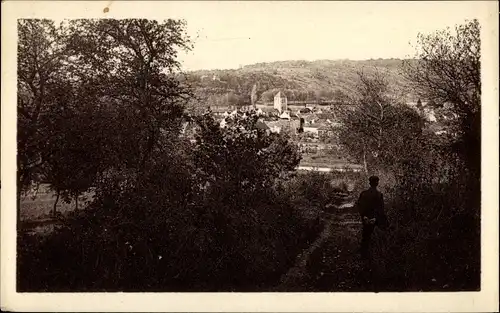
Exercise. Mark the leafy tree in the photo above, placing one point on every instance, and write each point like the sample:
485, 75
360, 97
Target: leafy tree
139, 76
339, 96
301, 95
447, 70
268, 95
233, 99
447, 73
241, 156
69, 82
323, 94
41, 55
208, 205
76, 155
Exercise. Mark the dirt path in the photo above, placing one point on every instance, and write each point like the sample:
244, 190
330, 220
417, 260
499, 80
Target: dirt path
337, 265
331, 262
296, 278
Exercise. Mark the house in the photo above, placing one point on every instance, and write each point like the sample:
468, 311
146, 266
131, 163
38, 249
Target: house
274, 126
280, 102
325, 130
285, 115
429, 114
220, 110
312, 128
223, 123
310, 119
283, 125
325, 116
261, 125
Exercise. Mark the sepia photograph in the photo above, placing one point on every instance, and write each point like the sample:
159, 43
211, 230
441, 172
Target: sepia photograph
251, 147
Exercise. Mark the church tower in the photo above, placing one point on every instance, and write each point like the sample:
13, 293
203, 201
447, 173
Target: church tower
280, 102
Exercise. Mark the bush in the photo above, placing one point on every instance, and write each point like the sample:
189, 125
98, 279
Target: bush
320, 190
210, 247
434, 243
180, 224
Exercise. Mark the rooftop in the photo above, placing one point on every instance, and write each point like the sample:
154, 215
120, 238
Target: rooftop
313, 125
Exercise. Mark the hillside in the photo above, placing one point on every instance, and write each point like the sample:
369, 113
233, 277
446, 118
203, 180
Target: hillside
300, 80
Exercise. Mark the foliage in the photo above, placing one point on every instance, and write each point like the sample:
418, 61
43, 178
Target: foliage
73, 92
316, 189
40, 67
154, 226
139, 76
241, 155
448, 202
380, 132
448, 72
101, 104
433, 207
299, 80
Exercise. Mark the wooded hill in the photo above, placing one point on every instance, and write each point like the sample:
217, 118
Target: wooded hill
300, 80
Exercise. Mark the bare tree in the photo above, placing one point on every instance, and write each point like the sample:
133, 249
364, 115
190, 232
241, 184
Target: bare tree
379, 131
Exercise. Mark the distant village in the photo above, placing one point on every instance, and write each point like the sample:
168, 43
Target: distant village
313, 119
311, 125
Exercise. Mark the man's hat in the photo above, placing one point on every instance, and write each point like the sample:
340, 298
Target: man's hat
373, 180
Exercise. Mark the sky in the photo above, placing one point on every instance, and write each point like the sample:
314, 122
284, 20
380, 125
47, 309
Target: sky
231, 34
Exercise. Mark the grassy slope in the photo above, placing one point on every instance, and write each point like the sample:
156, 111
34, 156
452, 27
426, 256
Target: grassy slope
294, 75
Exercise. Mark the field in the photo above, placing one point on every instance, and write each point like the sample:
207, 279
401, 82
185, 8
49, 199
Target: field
323, 161
37, 206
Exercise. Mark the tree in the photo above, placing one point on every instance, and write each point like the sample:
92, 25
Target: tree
139, 77
340, 97
253, 95
447, 71
41, 54
268, 95
73, 75
241, 156
379, 132
76, 155
419, 104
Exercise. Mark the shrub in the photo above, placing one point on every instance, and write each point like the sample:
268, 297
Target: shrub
434, 243
166, 229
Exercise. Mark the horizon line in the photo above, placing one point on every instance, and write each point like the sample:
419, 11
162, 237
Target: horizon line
241, 66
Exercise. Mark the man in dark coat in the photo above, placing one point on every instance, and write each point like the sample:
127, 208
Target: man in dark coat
371, 208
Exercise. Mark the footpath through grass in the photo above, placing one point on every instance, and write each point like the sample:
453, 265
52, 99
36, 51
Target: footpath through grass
333, 262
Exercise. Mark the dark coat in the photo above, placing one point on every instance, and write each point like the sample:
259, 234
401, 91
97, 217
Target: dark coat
371, 205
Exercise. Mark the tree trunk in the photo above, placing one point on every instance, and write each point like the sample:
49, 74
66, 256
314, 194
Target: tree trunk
18, 205
365, 165
54, 209
76, 202
20, 180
